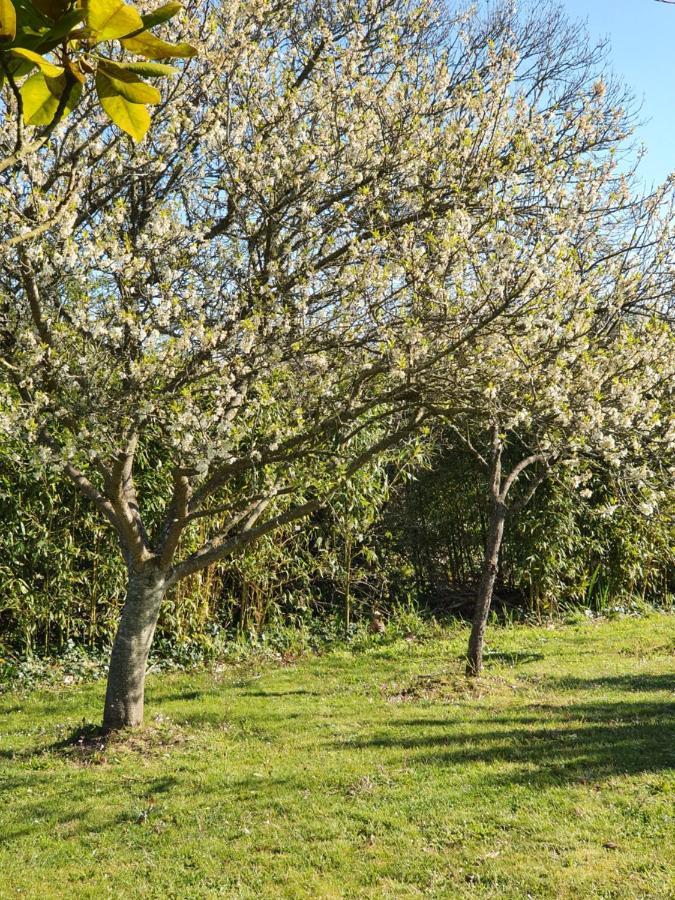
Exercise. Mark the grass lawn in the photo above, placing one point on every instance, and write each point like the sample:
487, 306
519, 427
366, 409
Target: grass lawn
372, 774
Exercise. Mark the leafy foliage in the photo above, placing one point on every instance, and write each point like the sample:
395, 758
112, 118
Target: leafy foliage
562, 551
62, 584
68, 41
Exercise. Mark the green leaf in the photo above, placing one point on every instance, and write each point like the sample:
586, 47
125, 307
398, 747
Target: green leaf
26, 37
111, 19
27, 15
137, 91
59, 85
41, 98
7, 20
129, 85
152, 47
47, 68
161, 14
149, 69
133, 118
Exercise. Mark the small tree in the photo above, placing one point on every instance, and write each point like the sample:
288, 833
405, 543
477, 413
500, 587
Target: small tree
581, 380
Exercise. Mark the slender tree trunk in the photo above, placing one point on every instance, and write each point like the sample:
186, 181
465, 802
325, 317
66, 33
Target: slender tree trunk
486, 587
126, 677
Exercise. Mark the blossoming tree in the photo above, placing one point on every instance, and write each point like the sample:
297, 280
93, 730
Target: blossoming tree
583, 377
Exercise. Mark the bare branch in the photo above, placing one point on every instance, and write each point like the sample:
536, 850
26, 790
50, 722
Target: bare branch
524, 500
123, 497
518, 469
177, 518
89, 491
219, 548
215, 551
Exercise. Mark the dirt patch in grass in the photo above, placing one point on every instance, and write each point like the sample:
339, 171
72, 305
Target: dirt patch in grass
89, 745
435, 687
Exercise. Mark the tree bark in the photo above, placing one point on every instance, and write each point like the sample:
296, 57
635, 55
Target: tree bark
126, 677
486, 587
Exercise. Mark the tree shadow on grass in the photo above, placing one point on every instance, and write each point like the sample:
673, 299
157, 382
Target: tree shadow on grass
291, 693
548, 742
88, 743
186, 695
638, 683
85, 738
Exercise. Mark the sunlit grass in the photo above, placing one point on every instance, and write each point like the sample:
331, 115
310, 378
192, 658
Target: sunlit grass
377, 774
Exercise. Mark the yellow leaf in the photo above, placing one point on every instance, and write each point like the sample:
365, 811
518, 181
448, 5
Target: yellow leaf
42, 96
152, 47
111, 19
150, 69
129, 85
133, 118
76, 71
47, 68
39, 104
7, 20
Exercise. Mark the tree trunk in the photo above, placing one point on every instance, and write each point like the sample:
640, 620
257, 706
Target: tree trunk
486, 587
126, 677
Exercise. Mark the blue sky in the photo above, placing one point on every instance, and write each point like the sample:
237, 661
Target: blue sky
642, 35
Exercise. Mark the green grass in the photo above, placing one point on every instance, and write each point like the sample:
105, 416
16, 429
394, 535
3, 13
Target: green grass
378, 774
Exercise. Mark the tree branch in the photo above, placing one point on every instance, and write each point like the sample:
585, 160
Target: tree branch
523, 501
123, 497
87, 488
518, 469
219, 548
177, 518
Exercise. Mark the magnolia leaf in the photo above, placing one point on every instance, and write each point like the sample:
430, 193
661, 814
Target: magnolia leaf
129, 85
133, 118
137, 91
47, 68
27, 37
39, 103
149, 69
111, 19
27, 17
58, 85
161, 14
7, 20
41, 98
19, 67
152, 47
